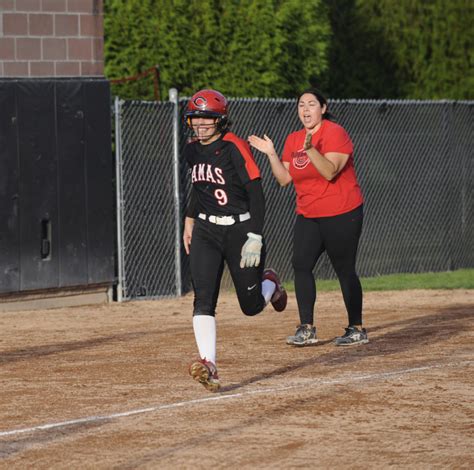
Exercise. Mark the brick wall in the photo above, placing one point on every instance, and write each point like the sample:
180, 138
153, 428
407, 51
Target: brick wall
41, 38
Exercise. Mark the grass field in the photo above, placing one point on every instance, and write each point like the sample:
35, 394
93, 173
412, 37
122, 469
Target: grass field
460, 279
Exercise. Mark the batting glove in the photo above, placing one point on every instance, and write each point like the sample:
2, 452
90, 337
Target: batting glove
250, 254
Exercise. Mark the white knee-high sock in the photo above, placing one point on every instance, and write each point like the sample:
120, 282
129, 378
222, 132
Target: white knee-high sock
205, 334
268, 289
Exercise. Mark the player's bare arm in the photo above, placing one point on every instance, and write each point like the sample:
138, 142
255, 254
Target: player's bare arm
191, 214
328, 165
188, 233
279, 169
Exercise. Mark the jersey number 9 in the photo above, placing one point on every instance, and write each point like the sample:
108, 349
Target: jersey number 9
221, 197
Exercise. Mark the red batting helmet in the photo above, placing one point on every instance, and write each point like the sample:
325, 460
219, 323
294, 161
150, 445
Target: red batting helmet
207, 103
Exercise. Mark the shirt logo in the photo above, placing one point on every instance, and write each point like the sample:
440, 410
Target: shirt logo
300, 159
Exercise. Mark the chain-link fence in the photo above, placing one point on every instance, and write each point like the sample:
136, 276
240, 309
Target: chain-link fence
146, 197
414, 161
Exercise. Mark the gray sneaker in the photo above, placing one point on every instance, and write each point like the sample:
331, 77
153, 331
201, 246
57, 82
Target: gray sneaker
304, 336
352, 336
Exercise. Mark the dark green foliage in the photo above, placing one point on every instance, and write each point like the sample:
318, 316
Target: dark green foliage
421, 49
362, 64
432, 42
128, 40
240, 47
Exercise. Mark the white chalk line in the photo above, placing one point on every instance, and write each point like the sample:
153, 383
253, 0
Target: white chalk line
152, 409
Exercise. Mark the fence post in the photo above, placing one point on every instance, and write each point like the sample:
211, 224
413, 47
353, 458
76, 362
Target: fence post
173, 94
119, 197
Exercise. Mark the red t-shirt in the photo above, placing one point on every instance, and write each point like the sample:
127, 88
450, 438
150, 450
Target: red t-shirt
315, 195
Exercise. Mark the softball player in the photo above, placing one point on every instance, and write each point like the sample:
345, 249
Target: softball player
318, 160
224, 222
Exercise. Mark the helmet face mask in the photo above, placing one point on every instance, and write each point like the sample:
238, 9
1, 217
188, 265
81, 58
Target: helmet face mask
207, 104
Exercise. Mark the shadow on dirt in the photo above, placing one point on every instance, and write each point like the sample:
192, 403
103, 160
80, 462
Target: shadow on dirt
50, 349
409, 334
385, 339
9, 448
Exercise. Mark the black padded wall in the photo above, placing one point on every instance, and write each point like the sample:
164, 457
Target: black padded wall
56, 184
38, 185
100, 200
9, 192
72, 244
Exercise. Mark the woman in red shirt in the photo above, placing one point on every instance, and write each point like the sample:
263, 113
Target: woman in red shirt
318, 159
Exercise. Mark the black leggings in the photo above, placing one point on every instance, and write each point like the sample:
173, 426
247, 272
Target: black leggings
211, 245
339, 237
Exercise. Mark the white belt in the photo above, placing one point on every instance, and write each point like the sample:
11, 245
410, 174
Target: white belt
225, 219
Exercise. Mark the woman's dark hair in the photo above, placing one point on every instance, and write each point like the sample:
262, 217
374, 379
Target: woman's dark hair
322, 101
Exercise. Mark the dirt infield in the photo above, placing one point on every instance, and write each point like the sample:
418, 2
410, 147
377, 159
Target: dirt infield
107, 387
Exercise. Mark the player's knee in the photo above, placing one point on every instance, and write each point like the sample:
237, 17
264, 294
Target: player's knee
345, 272
251, 310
